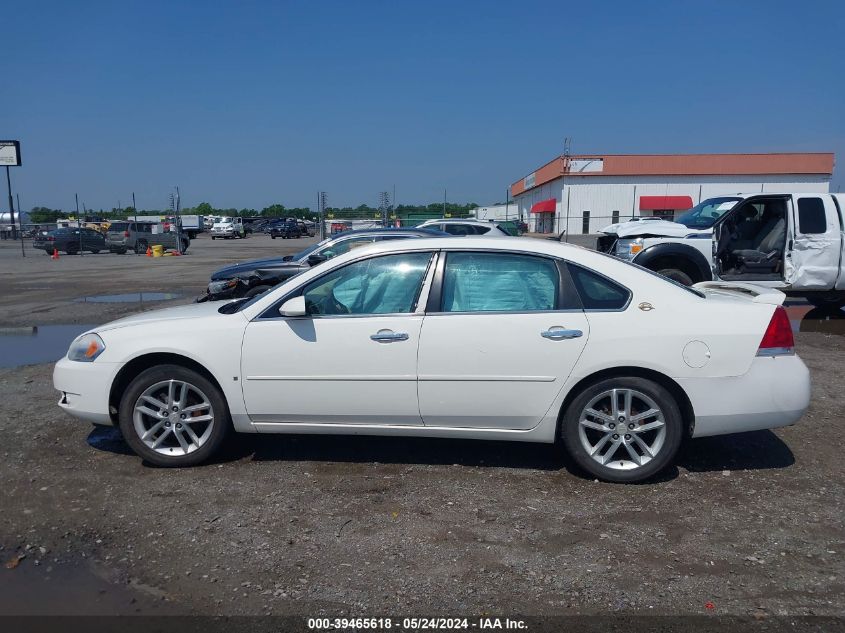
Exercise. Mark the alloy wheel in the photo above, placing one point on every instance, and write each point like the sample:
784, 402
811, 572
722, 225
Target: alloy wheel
622, 429
173, 417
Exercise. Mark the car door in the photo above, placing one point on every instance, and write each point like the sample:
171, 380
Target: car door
352, 359
814, 244
502, 333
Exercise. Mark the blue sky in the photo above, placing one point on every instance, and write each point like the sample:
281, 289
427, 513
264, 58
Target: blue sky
247, 103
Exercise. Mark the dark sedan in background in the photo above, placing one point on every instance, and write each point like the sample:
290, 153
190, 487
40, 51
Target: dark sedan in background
253, 277
286, 230
69, 241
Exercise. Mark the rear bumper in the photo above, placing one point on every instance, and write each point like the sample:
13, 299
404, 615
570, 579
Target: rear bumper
84, 388
775, 392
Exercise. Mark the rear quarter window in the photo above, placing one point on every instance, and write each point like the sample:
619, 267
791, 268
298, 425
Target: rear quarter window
598, 292
811, 216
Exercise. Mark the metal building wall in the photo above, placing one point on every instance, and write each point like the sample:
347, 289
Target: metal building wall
602, 195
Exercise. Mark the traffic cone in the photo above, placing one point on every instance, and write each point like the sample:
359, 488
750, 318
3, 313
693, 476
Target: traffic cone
149, 252
55, 254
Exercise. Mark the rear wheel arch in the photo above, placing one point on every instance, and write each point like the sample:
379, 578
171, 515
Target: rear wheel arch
137, 365
680, 396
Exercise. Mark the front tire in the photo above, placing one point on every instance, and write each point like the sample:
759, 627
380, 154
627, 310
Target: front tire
623, 429
172, 416
252, 292
676, 274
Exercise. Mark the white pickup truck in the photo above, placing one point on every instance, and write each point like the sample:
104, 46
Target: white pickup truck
227, 228
790, 241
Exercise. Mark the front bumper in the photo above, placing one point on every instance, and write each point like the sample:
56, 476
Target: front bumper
84, 388
775, 392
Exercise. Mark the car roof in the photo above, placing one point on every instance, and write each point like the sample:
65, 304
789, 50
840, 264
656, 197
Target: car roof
392, 231
461, 221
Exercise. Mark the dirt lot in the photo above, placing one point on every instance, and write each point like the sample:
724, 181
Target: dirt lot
749, 524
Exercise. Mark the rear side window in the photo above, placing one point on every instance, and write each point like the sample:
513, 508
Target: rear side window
119, 226
499, 282
811, 216
598, 292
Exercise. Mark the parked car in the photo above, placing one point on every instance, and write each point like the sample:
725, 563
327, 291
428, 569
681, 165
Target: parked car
466, 227
524, 340
286, 230
307, 228
124, 236
789, 241
228, 228
69, 241
253, 277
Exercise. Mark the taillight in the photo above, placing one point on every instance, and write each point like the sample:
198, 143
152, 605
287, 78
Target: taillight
126, 234
51, 239
778, 339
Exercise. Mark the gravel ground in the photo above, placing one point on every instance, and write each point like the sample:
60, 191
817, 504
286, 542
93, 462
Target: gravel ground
749, 524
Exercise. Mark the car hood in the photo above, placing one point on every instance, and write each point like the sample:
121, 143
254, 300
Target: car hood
241, 268
190, 311
662, 228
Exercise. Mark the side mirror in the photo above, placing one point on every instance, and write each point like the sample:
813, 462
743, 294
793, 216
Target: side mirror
294, 307
315, 259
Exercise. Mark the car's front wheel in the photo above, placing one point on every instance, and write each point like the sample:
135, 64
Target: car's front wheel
173, 416
623, 429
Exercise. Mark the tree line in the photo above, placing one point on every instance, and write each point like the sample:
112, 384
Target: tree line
46, 215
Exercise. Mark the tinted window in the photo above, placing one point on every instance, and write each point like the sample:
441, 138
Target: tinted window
119, 226
379, 285
811, 217
502, 282
344, 246
458, 229
598, 292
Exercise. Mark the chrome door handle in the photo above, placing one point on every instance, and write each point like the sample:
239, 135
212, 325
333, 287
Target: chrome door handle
559, 334
386, 336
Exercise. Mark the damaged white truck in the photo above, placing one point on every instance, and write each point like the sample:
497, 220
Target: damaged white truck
790, 241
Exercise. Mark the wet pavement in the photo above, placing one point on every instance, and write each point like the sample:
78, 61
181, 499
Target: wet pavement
38, 344
806, 318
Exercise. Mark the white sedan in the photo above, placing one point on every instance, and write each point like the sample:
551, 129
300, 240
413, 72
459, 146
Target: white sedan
525, 340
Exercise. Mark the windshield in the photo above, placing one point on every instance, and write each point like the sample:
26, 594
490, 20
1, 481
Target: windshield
705, 213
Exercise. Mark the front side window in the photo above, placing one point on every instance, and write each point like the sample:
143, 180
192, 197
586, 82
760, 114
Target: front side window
598, 292
380, 285
499, 282
811, 217
458, 229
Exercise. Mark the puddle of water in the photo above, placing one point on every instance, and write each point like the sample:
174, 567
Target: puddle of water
133, 297
73, 588
804, 318
33, 345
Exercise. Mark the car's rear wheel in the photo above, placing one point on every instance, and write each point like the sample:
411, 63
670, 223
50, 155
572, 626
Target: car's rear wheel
173, 416
623, 429
141, 246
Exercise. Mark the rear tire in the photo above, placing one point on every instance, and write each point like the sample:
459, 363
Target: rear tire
167, 439
141, 246
623, 444
676, 274
832, 300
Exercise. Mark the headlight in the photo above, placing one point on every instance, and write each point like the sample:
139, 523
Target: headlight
219, 286
627, 249
86, 348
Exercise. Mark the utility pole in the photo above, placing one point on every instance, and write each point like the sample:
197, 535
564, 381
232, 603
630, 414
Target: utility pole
567, 148
179, 221
135, 207
384, 206
20, 223
444, 203
79, 222
321, 211
11, 202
